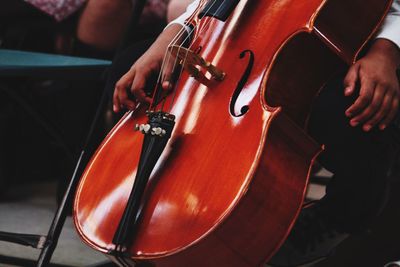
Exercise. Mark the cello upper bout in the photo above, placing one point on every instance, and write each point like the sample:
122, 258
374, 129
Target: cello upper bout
339, 25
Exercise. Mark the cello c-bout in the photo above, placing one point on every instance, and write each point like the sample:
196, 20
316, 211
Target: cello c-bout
231, 180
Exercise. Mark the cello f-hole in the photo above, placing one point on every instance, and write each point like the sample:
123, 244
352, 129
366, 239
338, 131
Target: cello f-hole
240, 85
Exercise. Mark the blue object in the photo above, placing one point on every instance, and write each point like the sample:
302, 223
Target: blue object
22, 63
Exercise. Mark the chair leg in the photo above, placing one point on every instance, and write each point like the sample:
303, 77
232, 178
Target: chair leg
61, 213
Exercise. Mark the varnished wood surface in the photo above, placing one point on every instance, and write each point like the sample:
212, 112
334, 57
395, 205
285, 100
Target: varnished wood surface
346, 26
226, 190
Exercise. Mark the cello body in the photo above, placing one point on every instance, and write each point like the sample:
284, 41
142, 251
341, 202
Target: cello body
231, 181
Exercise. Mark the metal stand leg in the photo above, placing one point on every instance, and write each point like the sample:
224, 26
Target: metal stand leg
61, 214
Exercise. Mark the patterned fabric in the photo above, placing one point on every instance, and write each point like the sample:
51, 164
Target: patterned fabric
59, 9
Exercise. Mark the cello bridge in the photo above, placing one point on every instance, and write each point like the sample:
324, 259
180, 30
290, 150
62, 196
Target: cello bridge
192, 63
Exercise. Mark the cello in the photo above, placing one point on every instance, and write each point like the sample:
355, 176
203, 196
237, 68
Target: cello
219, 178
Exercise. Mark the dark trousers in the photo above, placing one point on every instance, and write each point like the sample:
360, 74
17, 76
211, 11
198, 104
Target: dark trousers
358, 160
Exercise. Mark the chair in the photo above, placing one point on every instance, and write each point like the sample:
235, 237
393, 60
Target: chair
29, 64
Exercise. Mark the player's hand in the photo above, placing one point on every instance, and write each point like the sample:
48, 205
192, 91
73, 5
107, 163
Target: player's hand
375, 77
130, 88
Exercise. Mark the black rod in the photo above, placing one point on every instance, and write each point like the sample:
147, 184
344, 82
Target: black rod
61, 214
35, 241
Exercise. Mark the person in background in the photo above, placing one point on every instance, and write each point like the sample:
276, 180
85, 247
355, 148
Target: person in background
103, 22
100, 23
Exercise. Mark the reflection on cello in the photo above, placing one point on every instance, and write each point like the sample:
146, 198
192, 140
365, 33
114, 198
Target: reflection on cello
216, 171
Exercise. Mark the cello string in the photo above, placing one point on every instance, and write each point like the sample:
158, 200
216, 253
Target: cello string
180, 46
161, 77
166, 58
166, 54
158, 83
201, 30
174, 42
